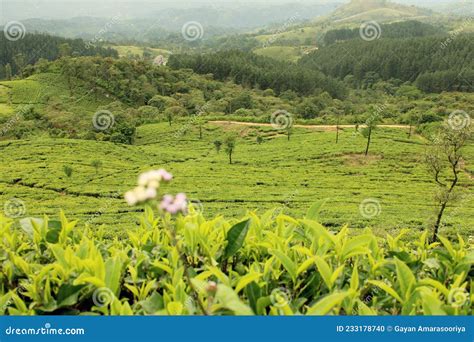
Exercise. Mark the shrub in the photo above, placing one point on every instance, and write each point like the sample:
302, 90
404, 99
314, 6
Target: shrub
267, 265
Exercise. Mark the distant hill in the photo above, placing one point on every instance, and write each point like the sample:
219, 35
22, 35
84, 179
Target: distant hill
380, 10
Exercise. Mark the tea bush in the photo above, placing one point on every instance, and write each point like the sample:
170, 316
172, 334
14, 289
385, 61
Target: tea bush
268, 265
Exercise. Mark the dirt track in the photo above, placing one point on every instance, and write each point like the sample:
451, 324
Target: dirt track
319, 127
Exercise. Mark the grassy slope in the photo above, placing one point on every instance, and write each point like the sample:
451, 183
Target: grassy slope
289, 175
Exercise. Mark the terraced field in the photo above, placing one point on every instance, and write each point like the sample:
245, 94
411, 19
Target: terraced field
289, 175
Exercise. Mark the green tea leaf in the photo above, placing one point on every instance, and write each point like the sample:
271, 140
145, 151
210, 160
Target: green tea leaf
236, 237
406, 279
325, 305
315, 209
287, 263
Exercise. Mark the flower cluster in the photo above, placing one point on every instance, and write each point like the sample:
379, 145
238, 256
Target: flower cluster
148, 184
174, 205
147, 189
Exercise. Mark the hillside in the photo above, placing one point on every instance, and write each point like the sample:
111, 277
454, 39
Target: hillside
288, 175
379, 10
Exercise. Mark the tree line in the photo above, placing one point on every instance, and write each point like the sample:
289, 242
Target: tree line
404, 29
435, 63
16, 55
254, 71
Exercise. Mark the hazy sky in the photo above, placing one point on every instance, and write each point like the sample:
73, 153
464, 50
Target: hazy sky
22, 9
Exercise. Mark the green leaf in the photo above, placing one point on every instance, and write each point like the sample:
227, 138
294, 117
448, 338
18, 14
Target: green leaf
113, 273
68, 294
386, 288
253, 293
289, 265
325, 305
315, 209
406, 279
4, 300
153, 303
355, 278
230, 300
245, 280
236, 237
325, 270
27, 224
174, 308
364, 310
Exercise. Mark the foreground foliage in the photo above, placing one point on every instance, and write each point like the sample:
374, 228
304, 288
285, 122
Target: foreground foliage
268, 265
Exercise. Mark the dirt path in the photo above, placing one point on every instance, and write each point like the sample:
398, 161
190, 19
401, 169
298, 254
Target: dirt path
320, 127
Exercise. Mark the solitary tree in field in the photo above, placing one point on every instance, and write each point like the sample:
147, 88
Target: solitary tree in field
370, 125
96, 164
217, 145
229, 143
413, 119
259, 139
67, 170
200, 123
443, 160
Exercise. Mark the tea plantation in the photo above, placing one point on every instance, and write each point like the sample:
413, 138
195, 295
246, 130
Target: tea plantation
275, 173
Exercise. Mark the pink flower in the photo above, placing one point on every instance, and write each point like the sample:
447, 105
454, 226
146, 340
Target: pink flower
174, 205
165, 175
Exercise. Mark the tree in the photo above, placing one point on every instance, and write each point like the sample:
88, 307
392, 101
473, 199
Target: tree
96, 164
413, 119
68, 170
171, 112
229, 146
370, 125
259, 139
64, 50
443, 160
217, 145
8, 71
20, 62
